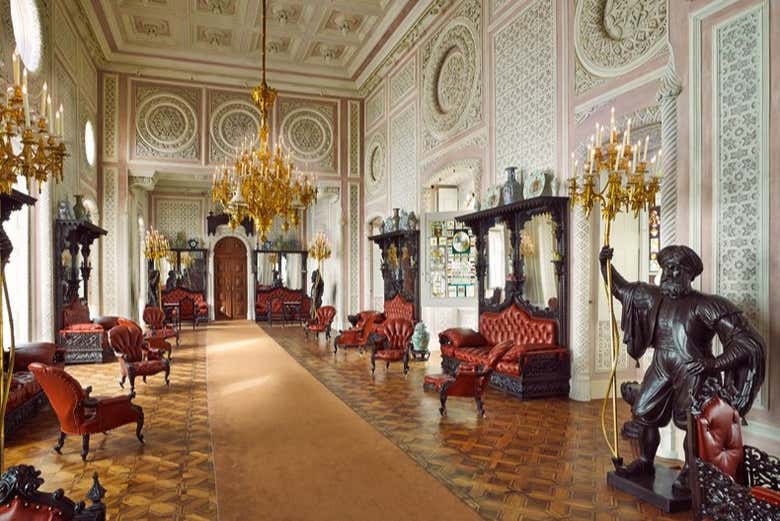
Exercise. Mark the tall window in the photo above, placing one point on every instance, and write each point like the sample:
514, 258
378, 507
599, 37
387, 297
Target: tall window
27, 32
17, 274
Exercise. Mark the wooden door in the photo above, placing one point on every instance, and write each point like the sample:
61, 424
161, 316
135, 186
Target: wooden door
230, 279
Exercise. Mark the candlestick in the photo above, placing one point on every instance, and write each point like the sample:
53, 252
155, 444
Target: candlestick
62, 121
26, 100
48, 109
647, 145
42, 112
15, 59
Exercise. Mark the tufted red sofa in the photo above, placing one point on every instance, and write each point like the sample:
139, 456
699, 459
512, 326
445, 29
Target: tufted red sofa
26, 395
269, 304
192, 304
535, 366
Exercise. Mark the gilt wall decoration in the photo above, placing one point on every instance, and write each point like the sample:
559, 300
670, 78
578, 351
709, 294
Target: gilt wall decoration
452, 77
613, 37
166, 122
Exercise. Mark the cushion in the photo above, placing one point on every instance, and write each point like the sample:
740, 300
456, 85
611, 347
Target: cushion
508, 367
80, 328
472, 355
521, 349
391, 355
766, 494
462, 337
149, 367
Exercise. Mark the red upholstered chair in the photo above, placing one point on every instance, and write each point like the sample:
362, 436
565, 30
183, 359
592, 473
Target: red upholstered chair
392, 343
134, 360
154, 348
322, 323
399, 307
358, 336
81, 414
20, 499
729, 481
470, 380
157, 328
82, 339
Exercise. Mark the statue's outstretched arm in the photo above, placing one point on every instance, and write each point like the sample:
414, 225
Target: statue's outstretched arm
619, 284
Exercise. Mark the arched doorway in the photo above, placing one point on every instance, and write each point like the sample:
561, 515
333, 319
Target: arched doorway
230, 280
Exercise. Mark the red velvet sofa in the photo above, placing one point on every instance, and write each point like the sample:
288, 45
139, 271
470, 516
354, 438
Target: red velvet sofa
192, 304
83, 339
270, 304
535, 366
26, 395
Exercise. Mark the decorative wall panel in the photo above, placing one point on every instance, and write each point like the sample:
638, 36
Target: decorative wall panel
376, 162
64, 92
110, 117
166, 122
741, 170
403, 160
613, 37
375, 107
452, 77
309, 129
581, 308
88, 77
110, 222
174, 215
498, 5
64, 36
354, 138
402, 83
354, 246
525, 89
232, 118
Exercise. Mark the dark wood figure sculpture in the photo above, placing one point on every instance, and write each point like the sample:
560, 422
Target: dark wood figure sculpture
317, 289
153, 288
680, 324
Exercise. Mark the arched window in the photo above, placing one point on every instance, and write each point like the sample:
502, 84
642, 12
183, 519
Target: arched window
27, 32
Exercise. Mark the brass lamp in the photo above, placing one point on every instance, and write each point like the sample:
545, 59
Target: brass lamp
156, 247
319, 249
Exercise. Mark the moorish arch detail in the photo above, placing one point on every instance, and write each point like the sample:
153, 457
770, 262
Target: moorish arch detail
166, 123
452, 77
233, 119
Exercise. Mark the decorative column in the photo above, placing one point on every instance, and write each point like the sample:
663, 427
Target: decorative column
582, 334
44, 251
667, 101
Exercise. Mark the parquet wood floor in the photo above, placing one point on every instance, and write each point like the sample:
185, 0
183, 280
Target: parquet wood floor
528, 460
171, 477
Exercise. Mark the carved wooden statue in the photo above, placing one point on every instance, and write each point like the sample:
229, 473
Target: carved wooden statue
680, 323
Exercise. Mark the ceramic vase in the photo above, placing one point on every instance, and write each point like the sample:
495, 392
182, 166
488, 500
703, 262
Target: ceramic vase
511, 192
420, 337
396, 219
79, 210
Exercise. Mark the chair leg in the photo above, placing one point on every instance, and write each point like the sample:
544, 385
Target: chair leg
122, 381
443, 401
480, 406
406, 362
143, 378
387, 365
167, 375
132, 383
139, 426
84, 447
60, 443
373, 363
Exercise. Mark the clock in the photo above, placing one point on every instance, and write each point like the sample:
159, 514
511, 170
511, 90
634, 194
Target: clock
461, 242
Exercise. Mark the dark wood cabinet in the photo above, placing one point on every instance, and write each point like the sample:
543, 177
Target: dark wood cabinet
400, 265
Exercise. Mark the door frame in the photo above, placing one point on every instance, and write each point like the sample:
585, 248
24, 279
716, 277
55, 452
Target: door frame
223, 232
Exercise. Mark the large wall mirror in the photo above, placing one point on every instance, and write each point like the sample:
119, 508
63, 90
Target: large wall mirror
280, 268
498, 254
538, 247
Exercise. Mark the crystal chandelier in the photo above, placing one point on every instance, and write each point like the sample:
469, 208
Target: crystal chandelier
28, 147
260, 182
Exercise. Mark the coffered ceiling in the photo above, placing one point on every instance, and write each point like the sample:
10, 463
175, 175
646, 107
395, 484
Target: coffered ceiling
329, 41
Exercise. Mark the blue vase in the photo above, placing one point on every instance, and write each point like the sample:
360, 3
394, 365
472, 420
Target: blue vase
511, 192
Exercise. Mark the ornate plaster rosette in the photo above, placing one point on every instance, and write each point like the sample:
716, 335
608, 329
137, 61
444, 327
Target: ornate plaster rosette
612, 37
451, 78
231, 122
166, 124
375, 163
309, 134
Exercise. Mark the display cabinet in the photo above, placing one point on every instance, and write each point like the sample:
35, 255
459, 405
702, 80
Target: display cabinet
400, 266
450, 259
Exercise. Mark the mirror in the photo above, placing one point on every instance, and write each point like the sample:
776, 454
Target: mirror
538, 249
266, 269
499, 263
279, 269
290, 269
168, 271
192, 270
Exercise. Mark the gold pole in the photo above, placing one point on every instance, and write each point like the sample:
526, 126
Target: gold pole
7, 372
612, 387
2, 372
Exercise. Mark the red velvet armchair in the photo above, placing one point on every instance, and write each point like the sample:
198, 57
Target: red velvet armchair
358, 336
20, 499
729, 481
322, 322
154, 318
469, 381
153, 347
134, 360
81, 414
392, 343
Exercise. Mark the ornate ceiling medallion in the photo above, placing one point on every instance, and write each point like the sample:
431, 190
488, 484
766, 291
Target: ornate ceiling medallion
309, 134
613, 37
450, 79
232, 122
166, 123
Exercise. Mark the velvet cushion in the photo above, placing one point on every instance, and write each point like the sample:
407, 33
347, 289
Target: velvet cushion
719, 438
462, 337
390, 355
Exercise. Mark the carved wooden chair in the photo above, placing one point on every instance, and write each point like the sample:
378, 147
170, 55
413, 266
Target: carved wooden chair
392, 342
470, 380
20, 499
322, 322
157, 328
729, 481
134, 360
79, 413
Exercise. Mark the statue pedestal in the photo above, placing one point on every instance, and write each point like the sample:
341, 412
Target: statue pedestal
656, 490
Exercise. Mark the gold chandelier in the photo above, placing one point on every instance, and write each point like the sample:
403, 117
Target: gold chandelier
27, 146
260, 182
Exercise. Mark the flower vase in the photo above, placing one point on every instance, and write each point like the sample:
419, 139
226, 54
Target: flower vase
79, 210
511, 192
396, 219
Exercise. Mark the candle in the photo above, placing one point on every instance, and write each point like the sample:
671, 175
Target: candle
26, 100
15, 59
573, 165
598, 135
618, 155
42, 111
647, 144
653, 165
24, 77
48, 109
574, 173
628, 131
612, 121
56, 129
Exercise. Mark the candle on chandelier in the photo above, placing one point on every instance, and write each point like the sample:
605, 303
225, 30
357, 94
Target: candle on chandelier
573, 165
48, 109
653, 165
26, 100
611, 125
618, 156
647, 145
574, 173
62, 121
57, 124
42, 110
628, 131
15, 58
24, 77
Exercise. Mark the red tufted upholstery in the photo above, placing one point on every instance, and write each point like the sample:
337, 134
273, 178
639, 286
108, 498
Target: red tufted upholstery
358, 336
25, 389
719, 437
155, 320
269, 303
192, 304
391, 343
515, 324
322, 323
398, 307
80, 414
134, 359
153, 347
469, 381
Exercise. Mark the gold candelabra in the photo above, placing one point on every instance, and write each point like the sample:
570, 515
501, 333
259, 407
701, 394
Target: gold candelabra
30, 149
319, 250
156, 247
261, 182
631, 186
